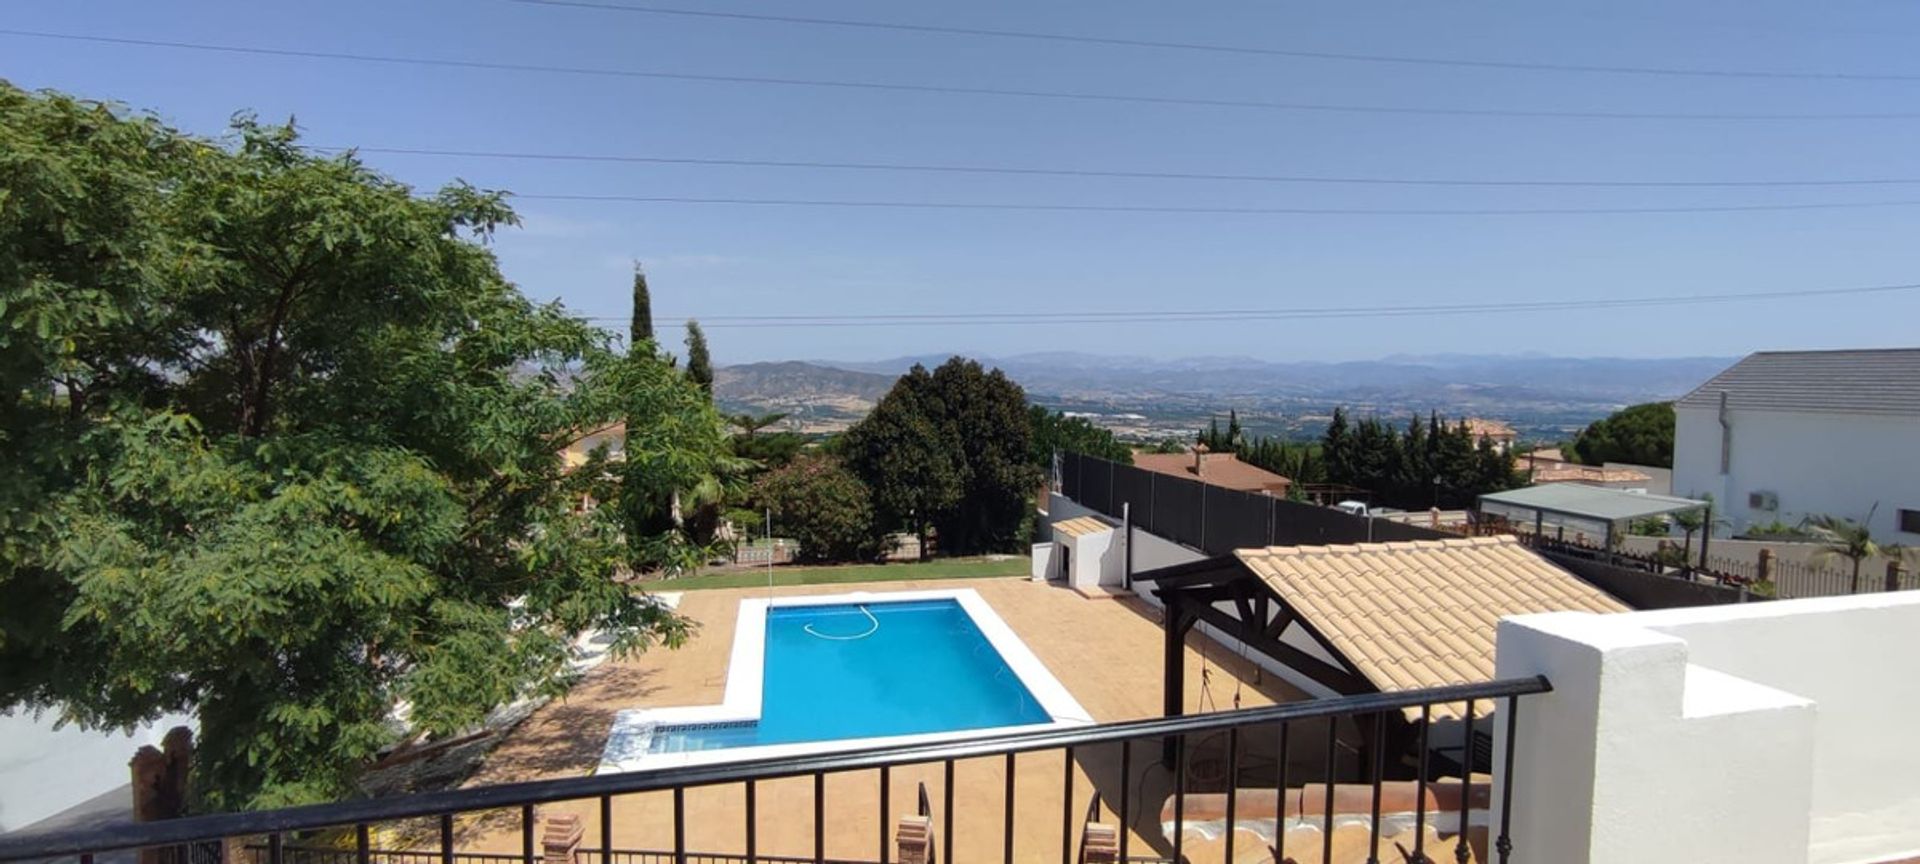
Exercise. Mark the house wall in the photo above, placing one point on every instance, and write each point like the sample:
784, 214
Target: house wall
44, 771
1748, 733
1041, 562
1832, 464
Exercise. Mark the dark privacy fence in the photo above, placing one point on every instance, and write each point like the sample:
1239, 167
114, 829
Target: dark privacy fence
1215, 520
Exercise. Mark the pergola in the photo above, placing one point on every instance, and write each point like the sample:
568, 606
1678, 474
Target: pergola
1586, 509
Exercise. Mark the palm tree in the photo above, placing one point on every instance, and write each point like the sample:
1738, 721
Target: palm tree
1845, 538
1691, 521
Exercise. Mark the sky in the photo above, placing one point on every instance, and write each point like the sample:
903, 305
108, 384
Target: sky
1053, 275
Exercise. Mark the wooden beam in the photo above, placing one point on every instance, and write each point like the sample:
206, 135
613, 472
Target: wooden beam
1335, 679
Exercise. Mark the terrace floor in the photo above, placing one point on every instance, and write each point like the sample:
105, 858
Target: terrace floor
1107, 652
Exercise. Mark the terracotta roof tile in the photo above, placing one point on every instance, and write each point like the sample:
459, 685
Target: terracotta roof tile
1222, 469
1080, 525
1420, 614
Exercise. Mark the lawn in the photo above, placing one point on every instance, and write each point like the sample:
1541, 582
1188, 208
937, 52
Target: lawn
952, 568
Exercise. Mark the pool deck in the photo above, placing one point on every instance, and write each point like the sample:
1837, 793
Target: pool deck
1107, 653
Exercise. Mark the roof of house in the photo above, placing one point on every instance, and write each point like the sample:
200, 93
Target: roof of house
1568, 473
1589, 502
1223, 469
1080, 525
1481, 427
1881, 381
1423, 613
1545, 454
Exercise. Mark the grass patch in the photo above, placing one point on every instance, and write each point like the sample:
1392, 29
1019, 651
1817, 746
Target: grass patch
951, 568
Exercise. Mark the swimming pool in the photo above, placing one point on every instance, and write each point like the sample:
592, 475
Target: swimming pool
812, 674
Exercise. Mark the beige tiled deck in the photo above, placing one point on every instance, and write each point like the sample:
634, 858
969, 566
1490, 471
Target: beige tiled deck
1107, 652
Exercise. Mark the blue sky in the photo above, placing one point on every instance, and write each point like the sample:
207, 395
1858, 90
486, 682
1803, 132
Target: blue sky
712, 260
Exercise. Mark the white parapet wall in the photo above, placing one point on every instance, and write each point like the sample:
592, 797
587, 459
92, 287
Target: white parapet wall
1763, 732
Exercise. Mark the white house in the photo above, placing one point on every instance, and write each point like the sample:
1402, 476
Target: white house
1783, 435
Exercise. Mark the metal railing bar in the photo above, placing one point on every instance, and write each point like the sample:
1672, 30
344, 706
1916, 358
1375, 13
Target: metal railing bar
753, 801
1280, 800
1420, 795
1333, 767
212, 827
679, 827
819, 817
1233, 786
526, 833
1126, 788
446, 838
1504, 845
1378, 760
946, 816
1007, 830
1460, 852
886, 811
606, 829
363, 844
1066, 808
1179, 795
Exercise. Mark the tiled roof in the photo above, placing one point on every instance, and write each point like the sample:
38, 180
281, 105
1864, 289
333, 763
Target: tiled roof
1223, 469
1423, 613
1566, 473
1847, 382
1080, 525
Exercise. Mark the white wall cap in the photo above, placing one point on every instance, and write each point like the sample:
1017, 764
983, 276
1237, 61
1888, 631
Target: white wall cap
1713, 694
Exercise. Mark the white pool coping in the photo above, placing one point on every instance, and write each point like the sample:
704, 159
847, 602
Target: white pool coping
633, 728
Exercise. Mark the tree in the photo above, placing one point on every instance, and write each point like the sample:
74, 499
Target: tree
1639, 434
1337, 446
1052, 431
283, 451
640, 327
821, 504
766, 450
903, 450
699, 364
1844, 538
950, 450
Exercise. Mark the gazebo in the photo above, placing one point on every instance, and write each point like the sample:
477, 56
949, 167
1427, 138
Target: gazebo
1553, 508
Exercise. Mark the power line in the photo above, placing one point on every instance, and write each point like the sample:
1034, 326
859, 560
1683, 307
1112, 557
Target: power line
1324, 313
1220, 211
1023, 171
943, 90
1510, 65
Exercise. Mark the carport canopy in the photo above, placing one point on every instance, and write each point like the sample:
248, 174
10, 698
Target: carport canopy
1592, 509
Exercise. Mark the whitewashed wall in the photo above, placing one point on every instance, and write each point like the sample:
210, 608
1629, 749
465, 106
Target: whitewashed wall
1839, 465
44, 771
1770, 732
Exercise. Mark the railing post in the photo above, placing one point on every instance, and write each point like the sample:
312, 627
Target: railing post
560, 843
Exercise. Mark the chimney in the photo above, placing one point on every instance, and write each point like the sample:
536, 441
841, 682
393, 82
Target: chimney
1199, 460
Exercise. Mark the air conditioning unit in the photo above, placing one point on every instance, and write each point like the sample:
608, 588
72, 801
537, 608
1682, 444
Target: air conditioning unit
1766, 501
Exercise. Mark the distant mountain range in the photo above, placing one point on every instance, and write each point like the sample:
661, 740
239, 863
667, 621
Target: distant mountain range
1545, 394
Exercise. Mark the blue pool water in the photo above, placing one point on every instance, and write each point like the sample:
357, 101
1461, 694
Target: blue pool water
927, 668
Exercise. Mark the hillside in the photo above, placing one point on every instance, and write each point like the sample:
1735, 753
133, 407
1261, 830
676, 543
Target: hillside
817, 398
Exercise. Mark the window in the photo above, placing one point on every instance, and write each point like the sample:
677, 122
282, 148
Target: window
1910, 521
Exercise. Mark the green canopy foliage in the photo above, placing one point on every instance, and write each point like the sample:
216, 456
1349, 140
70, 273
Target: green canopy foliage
819, 503
1431, 464
283, 451
640, 324
1053, 432
1638, 434
949, 450
699, 362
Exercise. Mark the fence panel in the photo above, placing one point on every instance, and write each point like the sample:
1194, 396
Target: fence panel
1096, 485
1177, 510
1070, 475
1134, 486
1235, 520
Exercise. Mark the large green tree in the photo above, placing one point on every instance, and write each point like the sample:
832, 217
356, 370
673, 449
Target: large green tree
699, 362
283, 451
949, 450
1639, 434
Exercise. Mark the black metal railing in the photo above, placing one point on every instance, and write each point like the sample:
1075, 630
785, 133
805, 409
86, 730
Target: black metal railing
1395, 745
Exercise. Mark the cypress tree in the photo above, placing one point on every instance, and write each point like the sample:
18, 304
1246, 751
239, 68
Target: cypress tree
699, 364
641, 329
